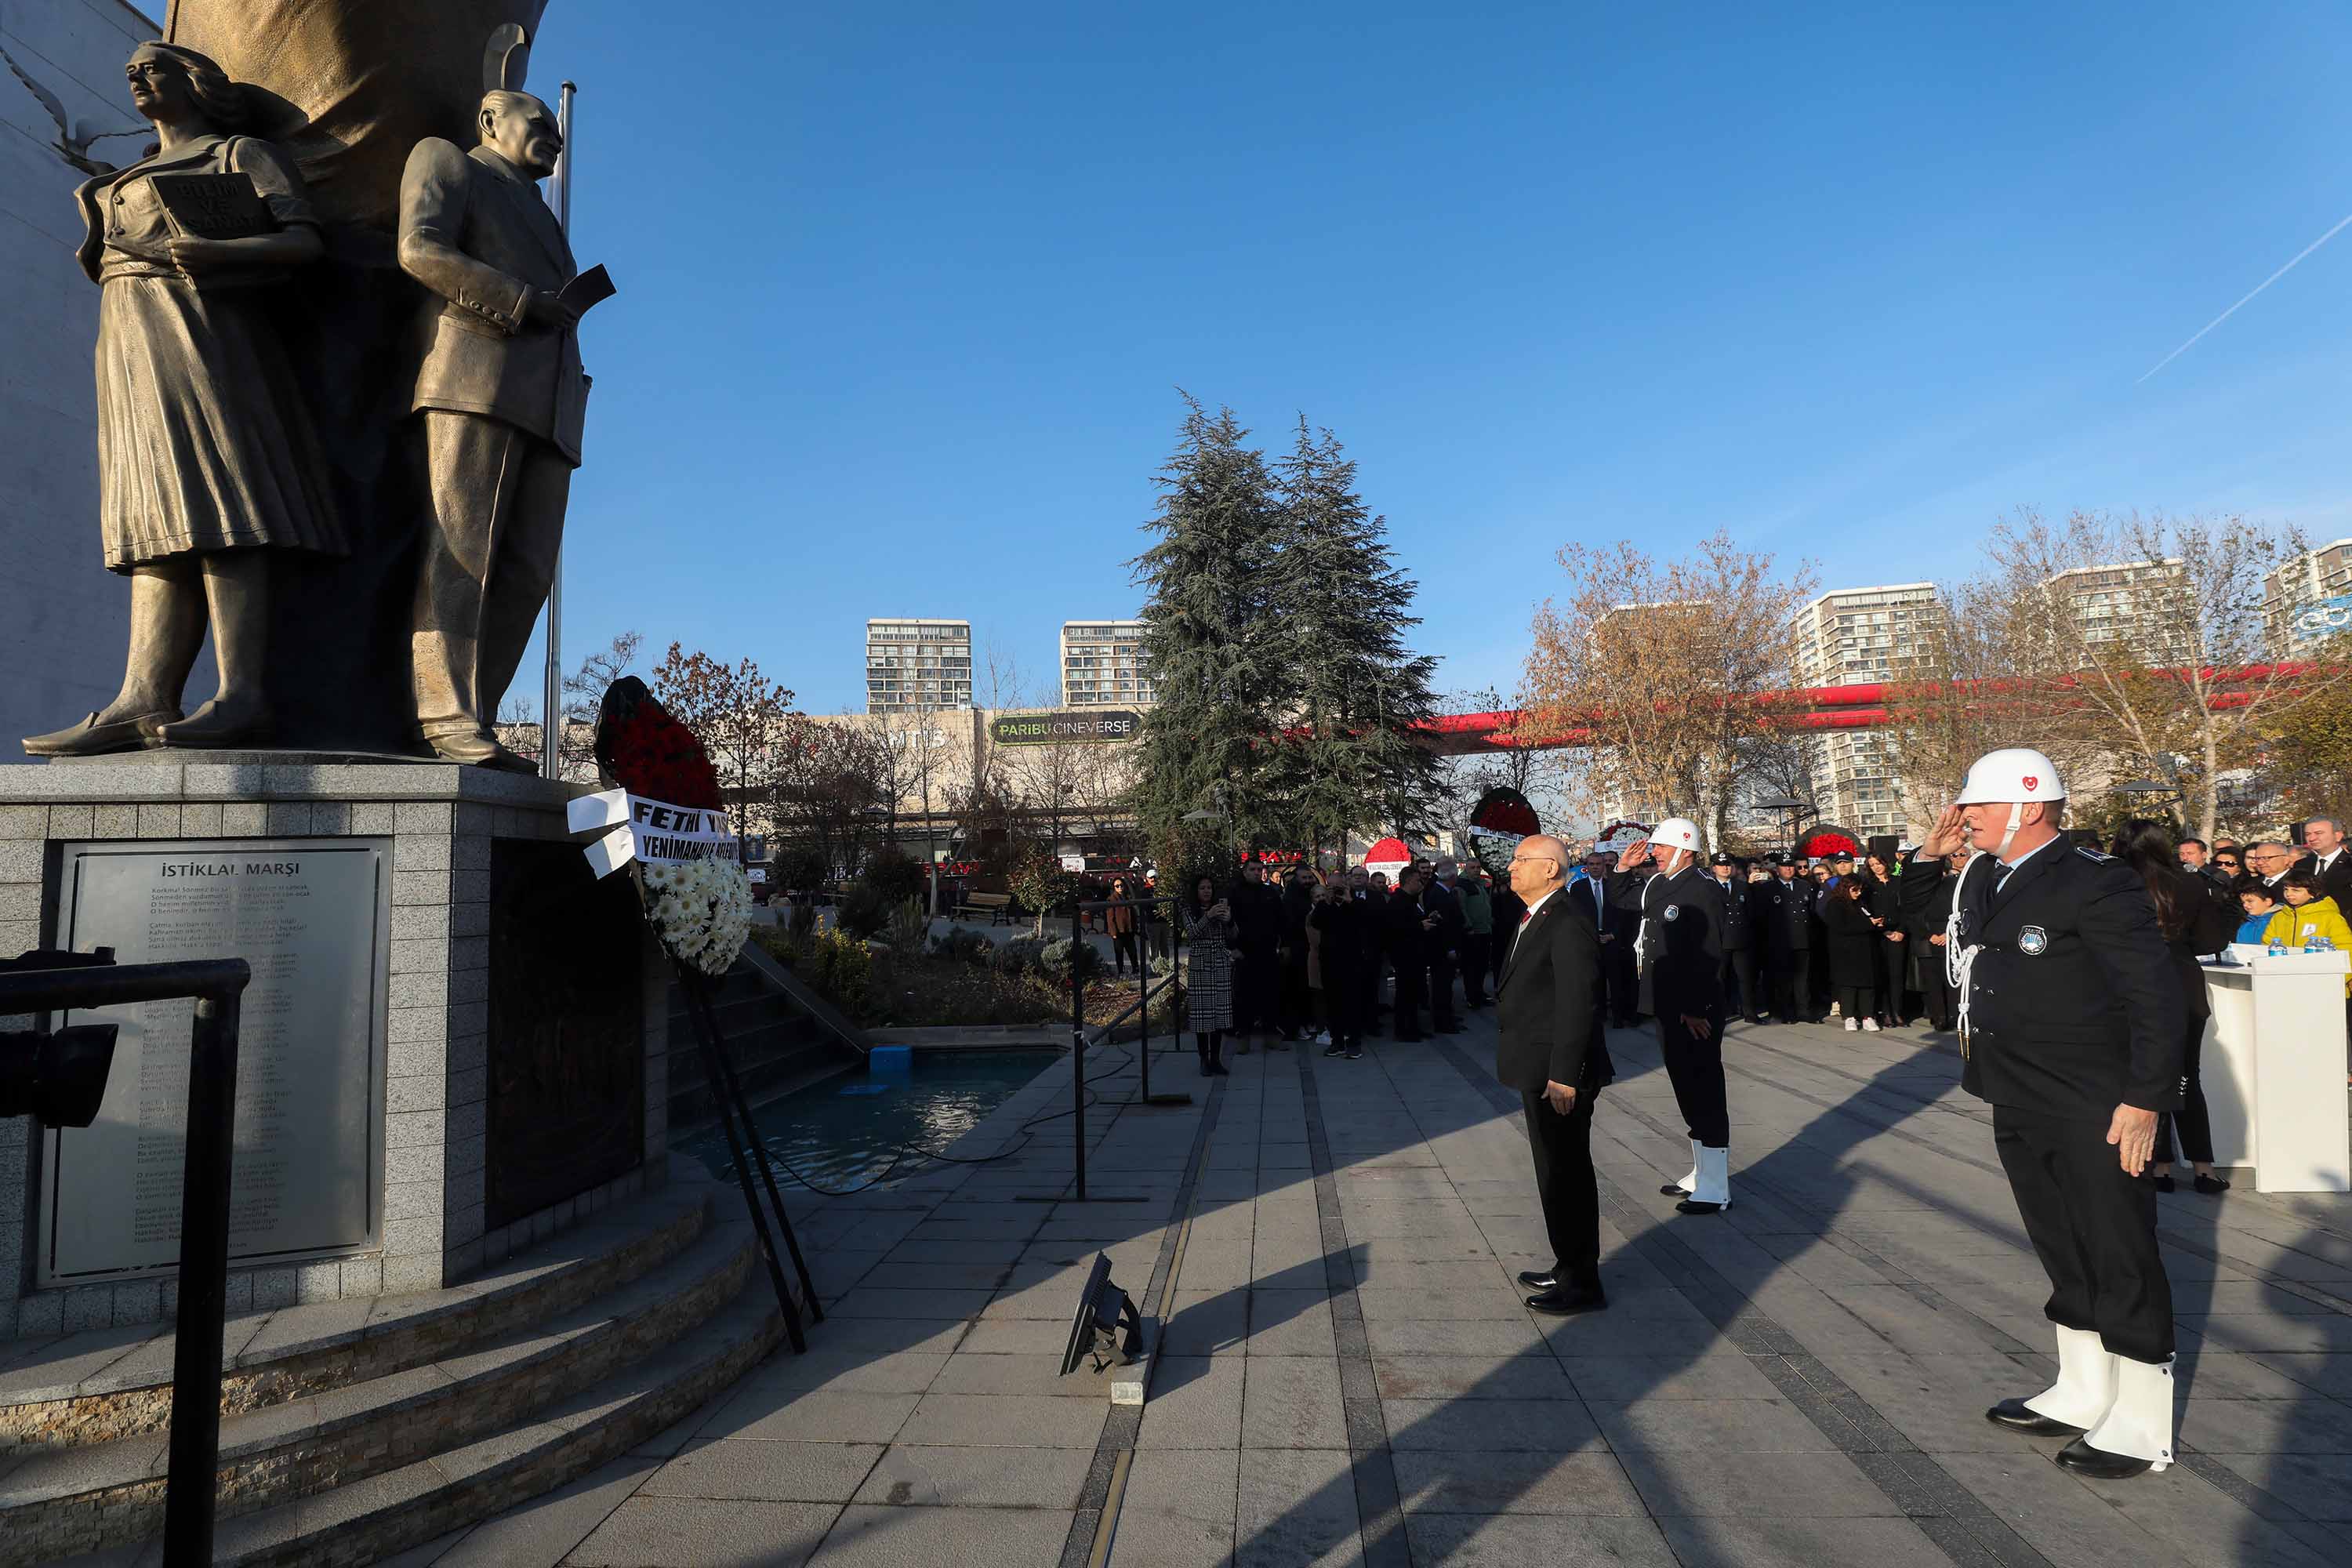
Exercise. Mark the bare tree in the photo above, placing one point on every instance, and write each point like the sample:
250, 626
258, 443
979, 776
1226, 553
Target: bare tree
740, 718
1661, 667
1520, 761
2115, 644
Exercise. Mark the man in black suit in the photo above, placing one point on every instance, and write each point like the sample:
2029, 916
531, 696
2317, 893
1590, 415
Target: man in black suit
1554, 1050
1405, 929
1738, 939
1619, 930
1789, 941
2071, 1026
1681, 937
1441, 903
1258, 962
2324, 836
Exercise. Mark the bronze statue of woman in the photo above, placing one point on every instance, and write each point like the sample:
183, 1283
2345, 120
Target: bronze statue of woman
208, 460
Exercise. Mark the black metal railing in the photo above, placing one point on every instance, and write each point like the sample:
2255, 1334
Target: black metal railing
217, 986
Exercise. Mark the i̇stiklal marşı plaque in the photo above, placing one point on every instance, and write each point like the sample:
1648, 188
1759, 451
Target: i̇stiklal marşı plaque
311, 916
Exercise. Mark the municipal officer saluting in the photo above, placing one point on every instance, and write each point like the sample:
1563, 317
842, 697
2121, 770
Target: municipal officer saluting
1680, 949
2070, 1020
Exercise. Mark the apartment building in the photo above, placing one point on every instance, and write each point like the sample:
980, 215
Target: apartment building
2309, 597
917, 663
2125, 607
1103, 665
1855, 636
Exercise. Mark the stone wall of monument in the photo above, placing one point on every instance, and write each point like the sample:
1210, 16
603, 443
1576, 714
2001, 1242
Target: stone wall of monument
63, 618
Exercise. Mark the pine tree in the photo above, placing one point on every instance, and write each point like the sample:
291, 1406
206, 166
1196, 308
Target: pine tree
1353, 691
1207, 638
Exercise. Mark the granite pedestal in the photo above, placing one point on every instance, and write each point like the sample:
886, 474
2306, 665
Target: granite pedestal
452, 1191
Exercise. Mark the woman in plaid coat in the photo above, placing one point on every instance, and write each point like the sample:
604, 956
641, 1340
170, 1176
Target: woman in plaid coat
1209, 928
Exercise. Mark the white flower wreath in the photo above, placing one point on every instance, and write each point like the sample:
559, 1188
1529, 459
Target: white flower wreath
701, 910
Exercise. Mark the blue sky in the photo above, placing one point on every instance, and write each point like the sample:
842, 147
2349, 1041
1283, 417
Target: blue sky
908, 292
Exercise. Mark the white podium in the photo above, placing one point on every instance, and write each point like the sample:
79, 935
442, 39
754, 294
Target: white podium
2273, 1068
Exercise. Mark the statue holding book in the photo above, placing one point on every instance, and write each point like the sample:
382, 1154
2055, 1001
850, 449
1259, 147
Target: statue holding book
502, 397
209, 464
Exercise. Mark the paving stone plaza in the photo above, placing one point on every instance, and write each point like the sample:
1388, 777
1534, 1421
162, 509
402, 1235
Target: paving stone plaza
1348, 1376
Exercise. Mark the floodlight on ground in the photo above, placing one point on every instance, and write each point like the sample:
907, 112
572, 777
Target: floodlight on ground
1106, 1326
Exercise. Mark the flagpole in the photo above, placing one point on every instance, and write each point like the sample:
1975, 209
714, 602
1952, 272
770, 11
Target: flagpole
550, 707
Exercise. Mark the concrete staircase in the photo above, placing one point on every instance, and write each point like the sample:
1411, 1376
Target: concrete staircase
779, 1041
352, 1430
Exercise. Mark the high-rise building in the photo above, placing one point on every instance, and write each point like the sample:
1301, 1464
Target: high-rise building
2126, 607
2309, 597
1854, 637
917, 663
1103, 665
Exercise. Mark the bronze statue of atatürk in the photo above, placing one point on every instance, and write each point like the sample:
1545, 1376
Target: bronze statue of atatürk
501, 397
207, 462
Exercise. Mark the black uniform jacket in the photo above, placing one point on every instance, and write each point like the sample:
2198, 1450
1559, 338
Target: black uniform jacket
2073, 1007
1738, 931
1400, 933
1682, 945
1547, 1004
1348, 937
1790, 920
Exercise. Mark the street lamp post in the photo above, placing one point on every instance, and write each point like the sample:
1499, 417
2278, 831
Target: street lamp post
1793, 807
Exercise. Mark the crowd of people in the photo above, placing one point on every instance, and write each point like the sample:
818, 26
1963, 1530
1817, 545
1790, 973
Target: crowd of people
2071, 967
1336, 957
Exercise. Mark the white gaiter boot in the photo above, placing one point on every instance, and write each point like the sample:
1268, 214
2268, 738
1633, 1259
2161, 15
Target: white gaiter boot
2139, 1424
1713, 1177
1690, 1183
2086, 1389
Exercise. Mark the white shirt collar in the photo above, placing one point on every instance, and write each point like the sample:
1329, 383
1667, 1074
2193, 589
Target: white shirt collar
1538, 904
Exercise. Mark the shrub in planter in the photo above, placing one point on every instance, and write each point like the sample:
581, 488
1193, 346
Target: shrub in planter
964, 945
897, 876
910, 928
1060, 955
842, 970
1018, 956
863, 911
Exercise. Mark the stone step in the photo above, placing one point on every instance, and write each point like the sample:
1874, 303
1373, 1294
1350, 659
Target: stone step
110, 1384
80, 1499
389, 1512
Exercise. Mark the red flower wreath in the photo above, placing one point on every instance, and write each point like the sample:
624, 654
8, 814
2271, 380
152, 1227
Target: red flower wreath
645, 751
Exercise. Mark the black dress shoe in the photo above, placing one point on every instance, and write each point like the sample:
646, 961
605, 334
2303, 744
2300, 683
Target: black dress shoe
2013, 1415
2162, 1184
1673, 1190
2208, 1186
1539, 1278
1567, 1300
2098, 1463
1692, 1205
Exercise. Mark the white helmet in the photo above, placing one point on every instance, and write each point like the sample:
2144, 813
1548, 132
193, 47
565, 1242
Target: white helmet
1677, 833
2012, 773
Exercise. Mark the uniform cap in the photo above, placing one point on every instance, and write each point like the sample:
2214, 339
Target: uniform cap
2012, 774
1677, 833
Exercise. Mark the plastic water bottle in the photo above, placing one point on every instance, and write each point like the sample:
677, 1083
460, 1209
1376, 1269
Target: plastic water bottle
2278, 947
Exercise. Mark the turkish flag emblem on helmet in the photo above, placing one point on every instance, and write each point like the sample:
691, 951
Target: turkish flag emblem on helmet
2032, 783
